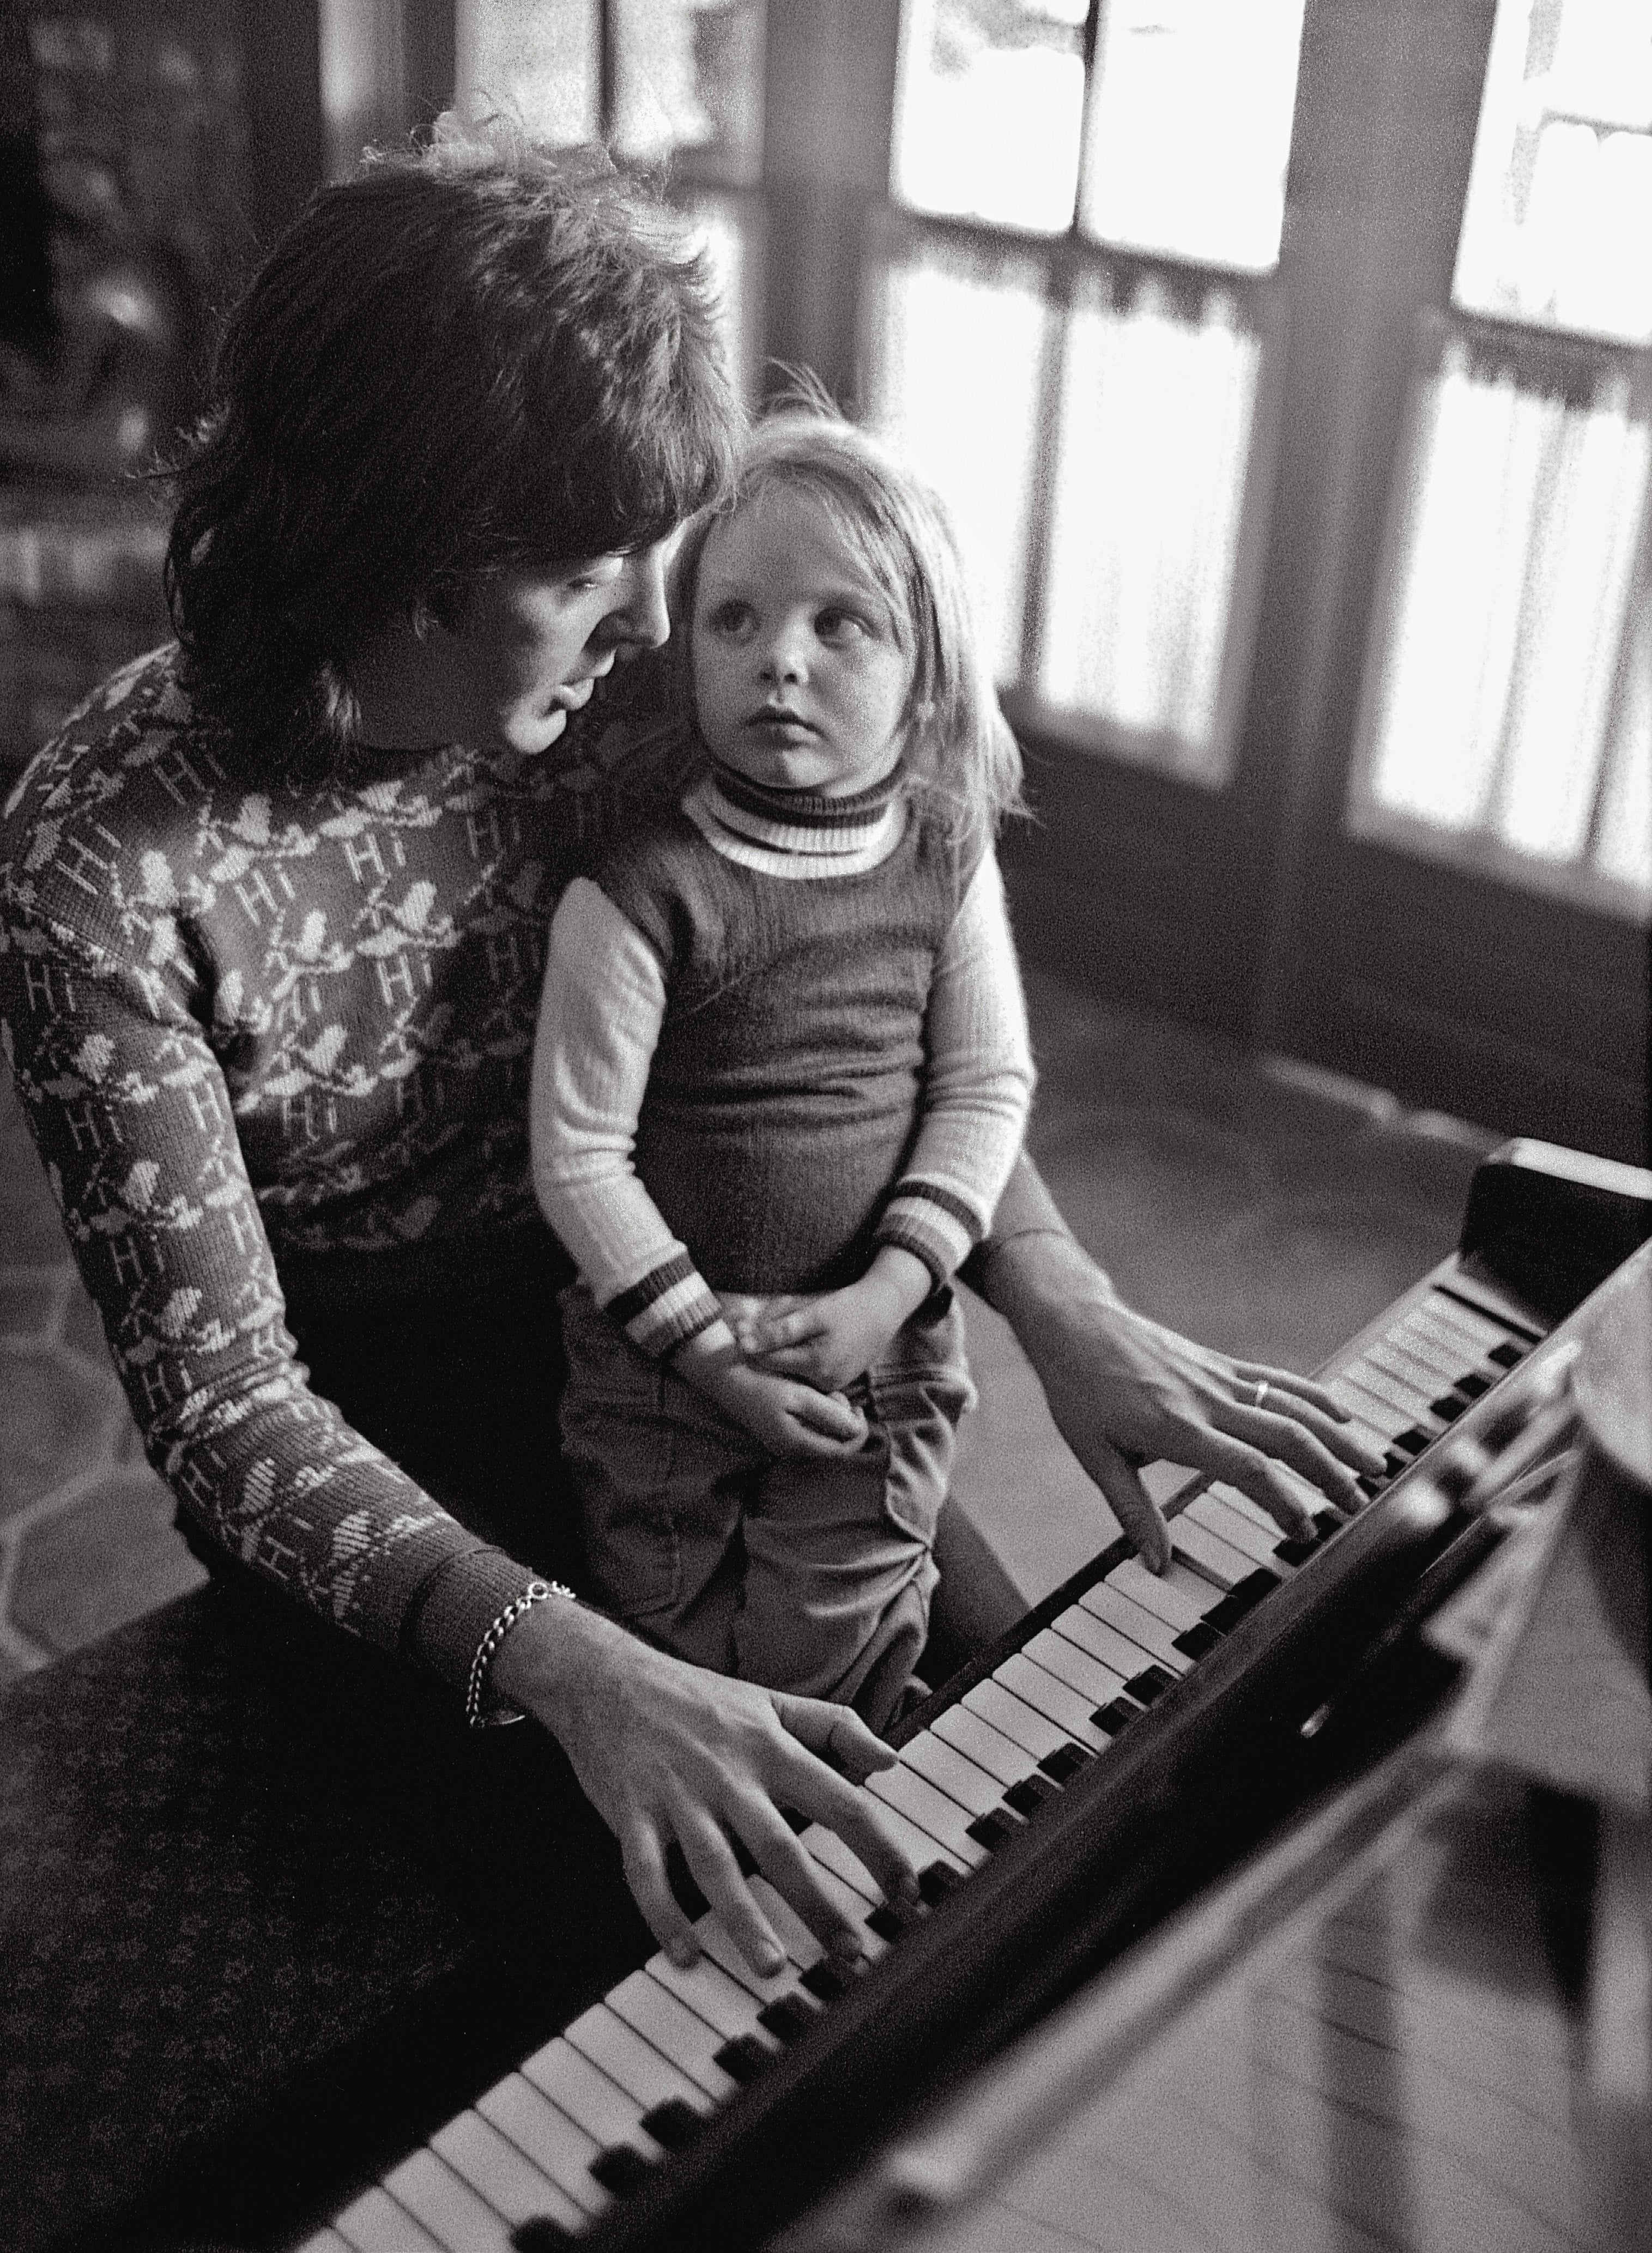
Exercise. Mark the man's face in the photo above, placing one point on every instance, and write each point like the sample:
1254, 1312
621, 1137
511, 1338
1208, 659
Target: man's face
532, 645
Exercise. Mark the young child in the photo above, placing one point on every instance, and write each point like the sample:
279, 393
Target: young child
782, 1049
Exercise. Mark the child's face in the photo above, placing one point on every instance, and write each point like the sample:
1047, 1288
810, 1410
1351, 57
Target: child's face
799, 680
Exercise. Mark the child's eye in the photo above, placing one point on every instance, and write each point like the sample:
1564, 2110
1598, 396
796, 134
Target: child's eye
731, 617
840, 625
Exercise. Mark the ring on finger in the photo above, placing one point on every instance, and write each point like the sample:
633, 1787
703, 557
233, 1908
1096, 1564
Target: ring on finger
1259, 1395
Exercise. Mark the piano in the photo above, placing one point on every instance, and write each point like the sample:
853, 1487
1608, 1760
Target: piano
1130, 1746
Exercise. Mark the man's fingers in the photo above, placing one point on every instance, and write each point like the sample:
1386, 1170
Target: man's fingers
1298, 1401
643, 1859
842, 1736
834, 1734
1264, 1481
1293, 1439
1139, 1516
712, 1864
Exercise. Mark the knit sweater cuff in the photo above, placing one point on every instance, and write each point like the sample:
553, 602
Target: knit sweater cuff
934, 1223
460, 1603
666, 1308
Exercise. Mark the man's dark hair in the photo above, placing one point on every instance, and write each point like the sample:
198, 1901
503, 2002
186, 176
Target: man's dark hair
477, 358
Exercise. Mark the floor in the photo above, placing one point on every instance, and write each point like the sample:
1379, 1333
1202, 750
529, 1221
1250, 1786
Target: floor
1263, 1208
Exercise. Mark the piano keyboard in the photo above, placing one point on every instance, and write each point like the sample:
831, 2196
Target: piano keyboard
588, 2114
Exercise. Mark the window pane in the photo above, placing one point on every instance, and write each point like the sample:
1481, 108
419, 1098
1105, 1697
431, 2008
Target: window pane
1190, 129
1157, 411
957, 353
987, 110
1557, 225
541, 63
689, 77
1510, 705
723, 229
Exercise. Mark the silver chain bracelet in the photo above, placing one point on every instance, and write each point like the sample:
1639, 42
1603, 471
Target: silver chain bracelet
537, 1591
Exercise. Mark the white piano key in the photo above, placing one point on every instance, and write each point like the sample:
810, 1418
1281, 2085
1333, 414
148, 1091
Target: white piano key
444, 2203
672, 2029
1104, 1643
1237, 1498
645, 2073
994, 1754
556, 2145
325, 2241
825, 1848
709, 1931
855, 1905
1381, 1385
1220, 1517
374, 2223
919, 1846
1479, 1330
498, 2171
1396, 1352
1441, 1355
1226, 1563
1017, 1719
792, 1933
938, 1817
1178, 1597
1453, 1341
589, 2098
1069, 1659
1059, 1701
707, 1991
1376, 1412
955, 1774
1123, 1613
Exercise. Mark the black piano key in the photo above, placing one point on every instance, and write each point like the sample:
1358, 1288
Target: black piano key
1449, 1407
1064, 1763
1250, 1592
1507, 1356
1300, 1547
1296, 1549
1370, 1487
1118, 1713
936, 1881
620, 2168
795, 1819
672, 2124
1411, 1441
787, 2017
1151, 1683
891, 1919
1198, 1641
1029, 1794
744, 2058
1394, 1464
1474, 1385
826, 1982
990, 1830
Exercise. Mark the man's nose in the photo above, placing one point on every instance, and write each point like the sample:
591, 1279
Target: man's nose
642, 615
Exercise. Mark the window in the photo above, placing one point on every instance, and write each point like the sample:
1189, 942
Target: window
659, 79
1071, 326
1507, 719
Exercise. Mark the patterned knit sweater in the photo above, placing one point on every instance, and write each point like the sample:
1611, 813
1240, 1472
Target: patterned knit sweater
778, 1031
249, 1023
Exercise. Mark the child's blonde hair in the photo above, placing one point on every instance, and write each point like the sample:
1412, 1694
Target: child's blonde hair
960, 755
